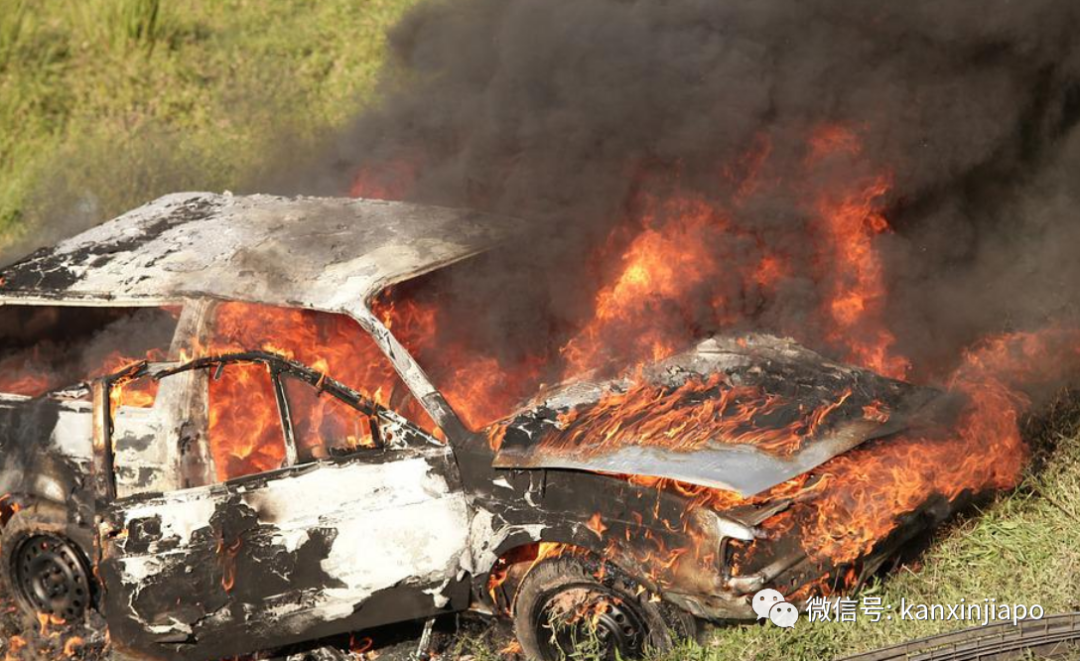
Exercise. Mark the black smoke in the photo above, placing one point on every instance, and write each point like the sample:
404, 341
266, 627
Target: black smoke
575, 114
565, 111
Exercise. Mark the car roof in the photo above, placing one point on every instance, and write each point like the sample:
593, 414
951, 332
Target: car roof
329, 254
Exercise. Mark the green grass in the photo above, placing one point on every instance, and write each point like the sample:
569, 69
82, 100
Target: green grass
1021, 549
105, 104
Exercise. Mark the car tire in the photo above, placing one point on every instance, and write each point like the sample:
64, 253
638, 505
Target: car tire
577, 604
43, 570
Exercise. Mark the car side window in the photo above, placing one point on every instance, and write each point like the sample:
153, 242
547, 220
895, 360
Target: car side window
331, 343
245, 432
325, 426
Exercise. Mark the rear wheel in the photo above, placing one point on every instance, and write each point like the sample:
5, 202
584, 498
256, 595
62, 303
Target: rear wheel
50, 578
567, 605
44, 570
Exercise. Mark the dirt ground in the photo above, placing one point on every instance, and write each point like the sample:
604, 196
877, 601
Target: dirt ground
452, 638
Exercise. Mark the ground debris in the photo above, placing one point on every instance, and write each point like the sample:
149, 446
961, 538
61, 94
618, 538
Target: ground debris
47, 641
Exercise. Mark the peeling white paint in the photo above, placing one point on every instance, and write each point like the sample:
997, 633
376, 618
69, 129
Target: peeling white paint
485, 538
389, 524
135, 570
73, 433
302, 499
396, 522
420, 546
440, 600
50, 488
294, 505
291, 540
174, 626
181, 514
141, 452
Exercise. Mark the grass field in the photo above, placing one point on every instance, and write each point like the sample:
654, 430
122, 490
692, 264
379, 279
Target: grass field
105, 104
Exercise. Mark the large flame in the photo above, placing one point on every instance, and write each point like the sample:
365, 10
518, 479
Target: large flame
689, 417
860, 494
671, 284
667, 286
662, 287
30, 375
245, 434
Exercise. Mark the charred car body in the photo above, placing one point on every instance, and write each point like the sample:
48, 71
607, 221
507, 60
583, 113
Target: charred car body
126, 510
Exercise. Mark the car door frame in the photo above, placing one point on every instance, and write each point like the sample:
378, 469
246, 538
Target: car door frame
445, 590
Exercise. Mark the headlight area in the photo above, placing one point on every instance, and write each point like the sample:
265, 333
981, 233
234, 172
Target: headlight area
748, 559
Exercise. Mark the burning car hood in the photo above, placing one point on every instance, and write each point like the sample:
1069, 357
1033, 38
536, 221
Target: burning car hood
740, 413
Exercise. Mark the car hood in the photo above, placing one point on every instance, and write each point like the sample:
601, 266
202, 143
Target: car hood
743, 413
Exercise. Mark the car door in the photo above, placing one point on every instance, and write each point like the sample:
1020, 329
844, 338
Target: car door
287, 542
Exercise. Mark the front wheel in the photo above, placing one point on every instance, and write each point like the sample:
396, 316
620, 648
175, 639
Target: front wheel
567, 605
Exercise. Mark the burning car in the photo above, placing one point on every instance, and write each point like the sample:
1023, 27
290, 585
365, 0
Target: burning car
211, 495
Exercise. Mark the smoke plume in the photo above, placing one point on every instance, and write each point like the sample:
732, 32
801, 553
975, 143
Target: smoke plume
579, 115
599, 120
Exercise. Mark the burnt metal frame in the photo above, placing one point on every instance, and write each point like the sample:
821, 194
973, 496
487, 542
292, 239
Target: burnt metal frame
412, 374
278, 366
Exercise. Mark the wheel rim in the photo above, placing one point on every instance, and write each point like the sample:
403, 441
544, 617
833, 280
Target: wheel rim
50, 577
588, 617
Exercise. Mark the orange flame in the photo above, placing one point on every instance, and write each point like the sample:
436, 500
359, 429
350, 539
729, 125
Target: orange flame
245, 430
689, 417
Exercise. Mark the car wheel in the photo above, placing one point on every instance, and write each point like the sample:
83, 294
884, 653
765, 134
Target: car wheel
570, 606
44, 570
